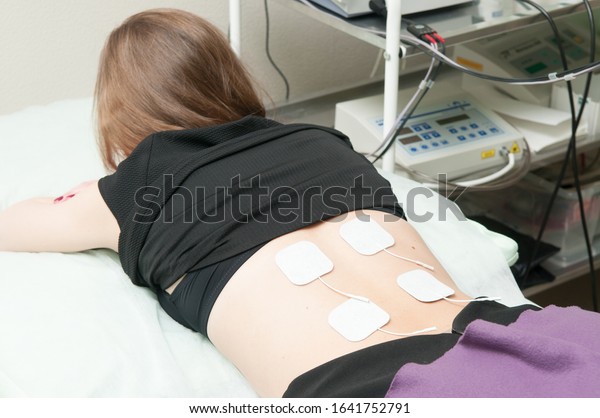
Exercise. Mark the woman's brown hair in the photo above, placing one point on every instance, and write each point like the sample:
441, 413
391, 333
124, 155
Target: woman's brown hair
167, 69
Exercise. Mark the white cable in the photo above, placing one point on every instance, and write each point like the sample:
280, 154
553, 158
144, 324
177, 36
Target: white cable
476, 182
473, 300
408, 334
417, 262
520, 172
366, 300
348, 295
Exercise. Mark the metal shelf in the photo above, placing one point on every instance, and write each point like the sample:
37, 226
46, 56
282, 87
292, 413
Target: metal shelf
461, 17
359, 27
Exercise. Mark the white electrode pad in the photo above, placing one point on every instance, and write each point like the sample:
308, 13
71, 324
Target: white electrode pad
423, 286
303, 262
366, 236
356, 320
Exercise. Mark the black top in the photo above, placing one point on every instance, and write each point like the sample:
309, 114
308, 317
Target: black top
191, 198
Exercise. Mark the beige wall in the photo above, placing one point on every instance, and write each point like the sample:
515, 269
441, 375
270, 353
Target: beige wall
49, 48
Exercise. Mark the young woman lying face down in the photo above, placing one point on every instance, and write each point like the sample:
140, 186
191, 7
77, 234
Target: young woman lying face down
206, 192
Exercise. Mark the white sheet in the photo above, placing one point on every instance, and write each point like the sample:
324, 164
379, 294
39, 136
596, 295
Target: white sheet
473, 260
72, 325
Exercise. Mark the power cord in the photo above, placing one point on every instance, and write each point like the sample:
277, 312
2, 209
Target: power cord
572, 147
547, 79
268, 51
429, 35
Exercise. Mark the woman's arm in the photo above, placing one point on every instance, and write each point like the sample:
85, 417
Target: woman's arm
80, 222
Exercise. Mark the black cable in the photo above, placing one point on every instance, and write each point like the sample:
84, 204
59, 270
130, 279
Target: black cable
592, 25
434, 74
571, 149
575, 169
268, 50
421, 31
561, 171
539, 80
571, 141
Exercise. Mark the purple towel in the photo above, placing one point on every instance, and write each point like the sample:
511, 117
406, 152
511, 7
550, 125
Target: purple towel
554, 352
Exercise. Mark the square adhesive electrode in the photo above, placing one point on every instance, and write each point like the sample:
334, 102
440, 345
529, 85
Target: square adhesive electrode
355, 320
423, 286
367, 237
303, 262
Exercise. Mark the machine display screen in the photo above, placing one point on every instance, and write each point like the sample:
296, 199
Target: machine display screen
532, 69
453, 119
410, 140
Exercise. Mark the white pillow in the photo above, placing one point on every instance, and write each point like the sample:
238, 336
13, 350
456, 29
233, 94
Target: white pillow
46, 150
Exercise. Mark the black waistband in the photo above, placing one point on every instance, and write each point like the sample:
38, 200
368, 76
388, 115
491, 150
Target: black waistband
368, 373
193, 299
